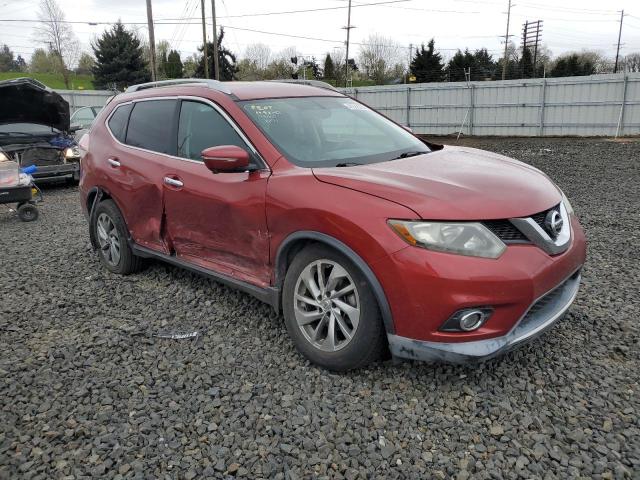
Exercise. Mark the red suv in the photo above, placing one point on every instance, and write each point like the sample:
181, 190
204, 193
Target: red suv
365, 236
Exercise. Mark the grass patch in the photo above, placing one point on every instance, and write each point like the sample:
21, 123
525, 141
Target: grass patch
54, 80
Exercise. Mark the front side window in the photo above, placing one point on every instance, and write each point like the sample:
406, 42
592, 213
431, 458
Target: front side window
330, 131
201, 127
151, 124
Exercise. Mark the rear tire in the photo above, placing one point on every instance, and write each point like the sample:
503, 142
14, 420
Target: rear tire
111, 234
330, 311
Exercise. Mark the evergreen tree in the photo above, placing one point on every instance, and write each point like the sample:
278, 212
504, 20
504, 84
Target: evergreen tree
427, 65
573, 65
119, 59
526, 64
6, 59
485, 66
459, 64
329, 68
173, 67
226, 61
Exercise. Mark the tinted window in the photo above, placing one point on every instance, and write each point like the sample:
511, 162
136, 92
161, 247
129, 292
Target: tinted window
201, 127
118, 122
151, 124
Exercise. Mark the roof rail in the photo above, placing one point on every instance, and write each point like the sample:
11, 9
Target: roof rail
311, 83
213, 84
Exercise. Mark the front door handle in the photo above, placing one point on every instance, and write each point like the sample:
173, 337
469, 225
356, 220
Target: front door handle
113, 162
173, 182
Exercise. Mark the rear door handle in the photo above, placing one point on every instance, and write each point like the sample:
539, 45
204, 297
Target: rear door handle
113, 162
173, 182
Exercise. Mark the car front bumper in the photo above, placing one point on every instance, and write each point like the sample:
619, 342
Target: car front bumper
70, 170
539, 317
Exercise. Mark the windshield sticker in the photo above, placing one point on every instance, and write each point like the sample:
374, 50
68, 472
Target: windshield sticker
265, 113
355, 106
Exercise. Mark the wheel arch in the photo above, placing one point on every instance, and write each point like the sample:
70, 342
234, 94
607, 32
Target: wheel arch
95, 195
298, 240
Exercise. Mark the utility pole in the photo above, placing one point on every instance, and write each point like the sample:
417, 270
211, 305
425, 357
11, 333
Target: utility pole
506, 44
204, 43
409, 64
216, 69
615, 68
348, 28
152, 42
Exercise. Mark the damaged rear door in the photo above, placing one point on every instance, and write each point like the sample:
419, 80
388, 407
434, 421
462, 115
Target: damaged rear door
216, 221
134, 164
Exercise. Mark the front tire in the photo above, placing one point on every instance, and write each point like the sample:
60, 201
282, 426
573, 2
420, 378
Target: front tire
111, 233
330, 311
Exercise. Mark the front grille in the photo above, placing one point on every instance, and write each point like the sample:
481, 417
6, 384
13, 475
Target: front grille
509, 233
505, 231
539, 218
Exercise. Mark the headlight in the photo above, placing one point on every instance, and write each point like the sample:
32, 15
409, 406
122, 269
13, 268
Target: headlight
71, 152
567, 204
3, 157
464, 238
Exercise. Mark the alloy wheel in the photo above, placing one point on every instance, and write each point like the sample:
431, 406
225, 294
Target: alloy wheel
326, 305
109, 239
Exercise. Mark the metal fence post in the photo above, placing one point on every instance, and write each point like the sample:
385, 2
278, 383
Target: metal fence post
543, 94
408, 107
620, 127
472, 108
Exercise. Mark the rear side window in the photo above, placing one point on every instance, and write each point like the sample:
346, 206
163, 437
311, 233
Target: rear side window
118, 122
151, 126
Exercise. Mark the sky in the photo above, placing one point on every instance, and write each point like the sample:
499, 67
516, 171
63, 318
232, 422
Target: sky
570, 25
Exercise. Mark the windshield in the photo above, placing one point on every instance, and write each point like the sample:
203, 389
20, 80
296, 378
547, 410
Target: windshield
331, 131
26, 129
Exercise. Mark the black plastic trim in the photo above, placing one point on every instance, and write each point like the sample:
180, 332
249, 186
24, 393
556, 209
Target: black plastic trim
378, 291
268, 295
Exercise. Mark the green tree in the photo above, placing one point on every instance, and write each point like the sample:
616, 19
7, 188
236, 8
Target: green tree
19, 65
119, 59
42, 61
526, 64
173, 68
459, 64
226, 61
6, 59
85, 64
329, 68
573, 65
485, 65
427, 64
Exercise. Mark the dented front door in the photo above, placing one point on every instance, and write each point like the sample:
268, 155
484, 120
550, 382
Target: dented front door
218, 221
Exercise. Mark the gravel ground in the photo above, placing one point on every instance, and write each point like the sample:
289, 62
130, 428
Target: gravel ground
88, 390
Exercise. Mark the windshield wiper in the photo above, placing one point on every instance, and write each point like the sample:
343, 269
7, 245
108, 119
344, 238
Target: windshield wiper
409, 154
348, 164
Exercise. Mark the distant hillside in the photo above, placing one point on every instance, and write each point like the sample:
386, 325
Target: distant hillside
54, 80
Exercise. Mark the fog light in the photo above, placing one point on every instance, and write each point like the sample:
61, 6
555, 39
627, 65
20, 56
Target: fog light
471, 320
467, 320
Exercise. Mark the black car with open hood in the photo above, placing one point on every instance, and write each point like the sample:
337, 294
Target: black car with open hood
35, 129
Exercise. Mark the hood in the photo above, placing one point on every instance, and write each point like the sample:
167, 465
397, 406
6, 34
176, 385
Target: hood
25, 100
455, 183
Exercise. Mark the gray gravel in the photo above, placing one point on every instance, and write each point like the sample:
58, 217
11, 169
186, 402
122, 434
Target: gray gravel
87, 390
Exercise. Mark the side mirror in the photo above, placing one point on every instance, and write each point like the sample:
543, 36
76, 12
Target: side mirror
225, 158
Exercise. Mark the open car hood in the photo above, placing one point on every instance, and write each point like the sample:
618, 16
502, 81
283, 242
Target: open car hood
25, 100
